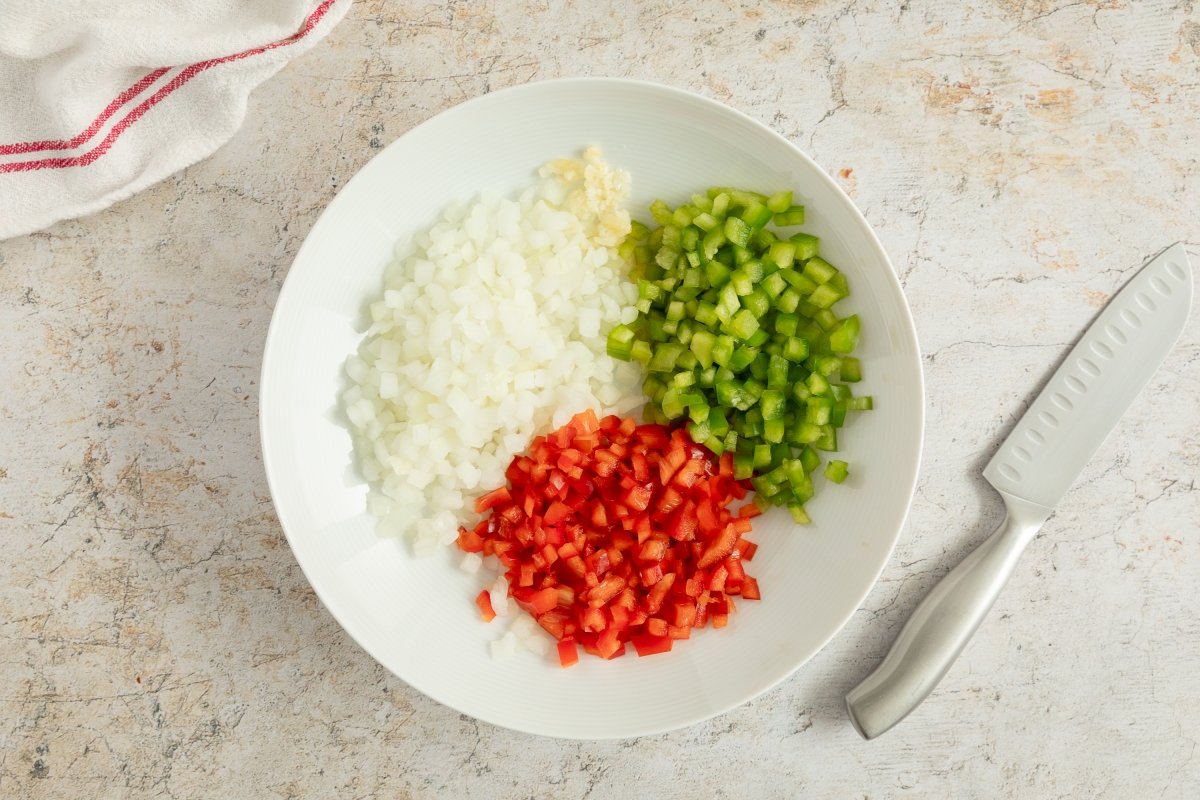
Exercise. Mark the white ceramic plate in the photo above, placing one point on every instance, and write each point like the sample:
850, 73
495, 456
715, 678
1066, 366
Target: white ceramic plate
416, 616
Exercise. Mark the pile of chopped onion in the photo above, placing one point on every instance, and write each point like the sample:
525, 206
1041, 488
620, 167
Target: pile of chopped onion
491, 329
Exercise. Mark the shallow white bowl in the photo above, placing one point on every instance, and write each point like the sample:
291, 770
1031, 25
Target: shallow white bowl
416, 616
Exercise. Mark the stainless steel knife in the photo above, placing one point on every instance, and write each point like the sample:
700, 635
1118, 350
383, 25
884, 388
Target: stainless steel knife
1032, 470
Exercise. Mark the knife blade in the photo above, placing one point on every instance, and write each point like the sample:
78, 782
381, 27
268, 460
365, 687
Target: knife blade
1032, 469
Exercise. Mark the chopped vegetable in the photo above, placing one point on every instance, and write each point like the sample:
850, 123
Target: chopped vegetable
737, 327
484, 601
612, 532
488, 325
568, 655
836, 471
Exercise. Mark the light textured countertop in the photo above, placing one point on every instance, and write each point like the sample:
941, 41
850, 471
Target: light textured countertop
1018, 158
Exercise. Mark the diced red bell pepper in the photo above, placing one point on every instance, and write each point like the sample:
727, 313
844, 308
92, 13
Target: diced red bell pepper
585, 421
492, 499
592, 620
642, 527
484, 601
670, 464
575, 507
641, 467
688, 474
619, 617
749, 510
725, 466
562, 437
469, 541
569, 458
716, 581
658, 592
653, 550
638, 497
554, 622
575, 564
737, 573
598, 562
682, 527
679, 632
649, 645
557, 512
653, 437
606, 590
568, 654
685, 614
627, 599
706, 518
605, 462
536, 601
668, 501
608, 643
719, 547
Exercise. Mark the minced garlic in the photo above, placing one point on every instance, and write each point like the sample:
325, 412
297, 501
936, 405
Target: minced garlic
596, 194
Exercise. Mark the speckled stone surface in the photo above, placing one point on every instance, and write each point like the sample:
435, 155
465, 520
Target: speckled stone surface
1018, 158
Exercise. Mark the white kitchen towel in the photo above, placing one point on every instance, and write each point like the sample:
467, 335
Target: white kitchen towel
102, 98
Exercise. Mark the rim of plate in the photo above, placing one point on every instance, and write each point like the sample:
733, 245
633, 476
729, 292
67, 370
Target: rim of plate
718, 107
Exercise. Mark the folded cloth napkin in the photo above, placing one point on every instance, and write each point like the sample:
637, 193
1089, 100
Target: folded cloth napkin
102, 98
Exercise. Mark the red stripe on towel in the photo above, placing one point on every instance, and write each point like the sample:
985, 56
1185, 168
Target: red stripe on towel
90, 131
139, 110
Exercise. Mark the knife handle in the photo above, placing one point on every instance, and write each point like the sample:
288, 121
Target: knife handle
943, 624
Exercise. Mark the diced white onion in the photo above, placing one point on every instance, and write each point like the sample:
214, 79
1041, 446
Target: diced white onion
498, 594
490, 328
505, 647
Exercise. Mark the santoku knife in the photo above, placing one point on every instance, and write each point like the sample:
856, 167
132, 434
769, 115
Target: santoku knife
1032, 470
